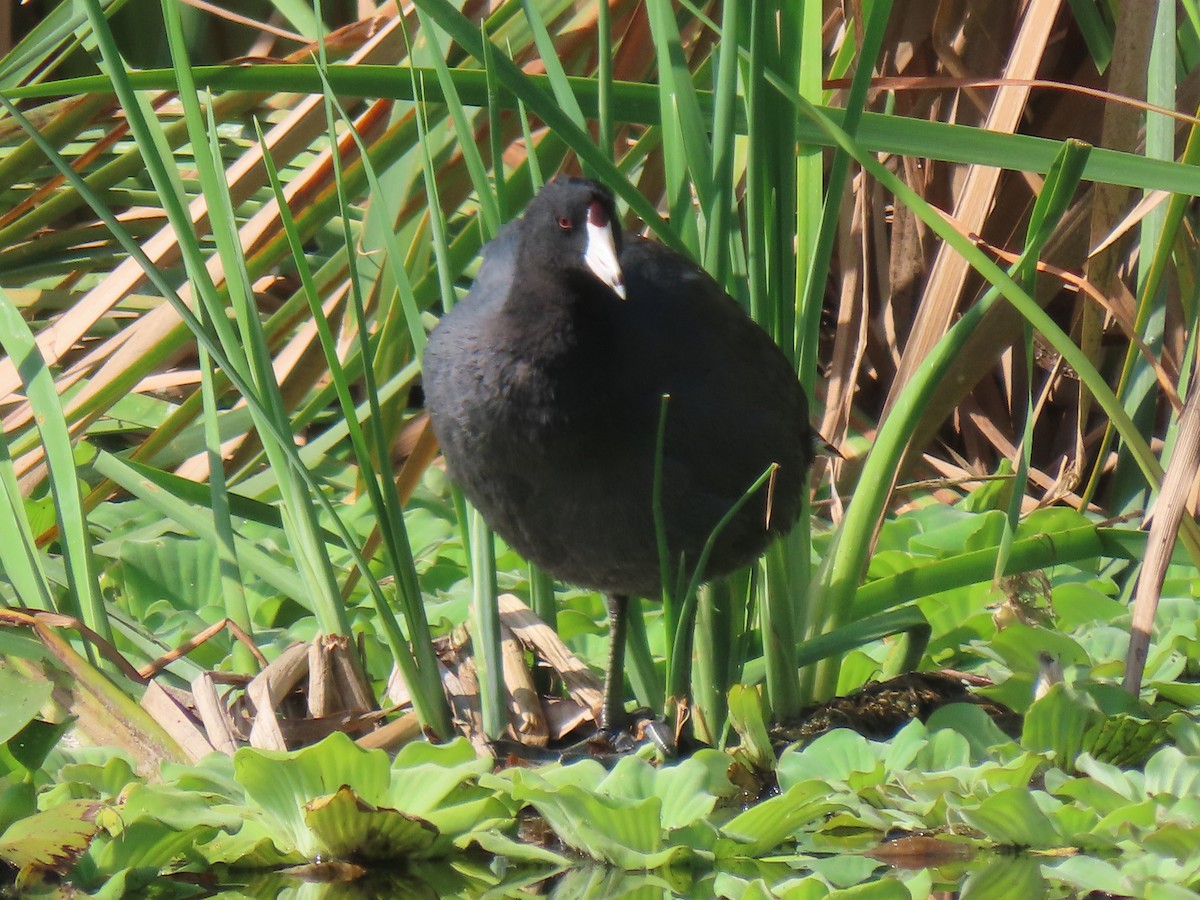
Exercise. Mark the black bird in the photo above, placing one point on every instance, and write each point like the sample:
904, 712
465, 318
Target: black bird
544, 388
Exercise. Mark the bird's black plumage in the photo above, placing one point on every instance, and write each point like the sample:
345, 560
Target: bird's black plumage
544, 388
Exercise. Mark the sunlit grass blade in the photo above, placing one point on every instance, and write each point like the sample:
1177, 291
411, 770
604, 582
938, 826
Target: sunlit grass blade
1057, 193
1095, 31
721, 231
199, 332
153, 273
485, 633
59, 122
529, 91
688, 155
495, 137
818, 241
224, 227
816, 194
604, 78
158, 492
1025, 554
59, 31
680, 657
19, 555
83, 597
771, 248
535, 169
644, 676
1138, 386
770, 181
555, 73
489, 207
843, 568
718, 632
832, 644
143, 125
425, 689
476, 535
419, 664
881, 132
299, 515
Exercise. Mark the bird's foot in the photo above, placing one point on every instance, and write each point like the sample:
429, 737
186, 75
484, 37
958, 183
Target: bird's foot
627, 735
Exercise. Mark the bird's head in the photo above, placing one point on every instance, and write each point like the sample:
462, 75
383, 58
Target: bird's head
573, 224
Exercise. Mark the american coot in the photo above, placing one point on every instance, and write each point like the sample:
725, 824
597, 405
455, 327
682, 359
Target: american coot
544, 387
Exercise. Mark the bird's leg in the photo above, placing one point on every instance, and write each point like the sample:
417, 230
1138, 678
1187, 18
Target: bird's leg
612, 713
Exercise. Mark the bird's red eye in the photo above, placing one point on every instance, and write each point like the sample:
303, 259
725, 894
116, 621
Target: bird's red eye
564, 223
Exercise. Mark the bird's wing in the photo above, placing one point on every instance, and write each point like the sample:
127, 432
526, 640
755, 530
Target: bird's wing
497, 271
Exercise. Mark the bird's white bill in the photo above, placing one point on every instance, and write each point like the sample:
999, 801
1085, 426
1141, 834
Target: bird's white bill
601, 256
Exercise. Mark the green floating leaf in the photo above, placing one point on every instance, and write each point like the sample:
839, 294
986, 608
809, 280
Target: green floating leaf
437, 786
1174, 839
20, 700
428, 777
970, 721
252, 847
835, 756
106, 780
52, 839
602, 881
1005, 878
1087, 874
1170, 772
635, 817
1057, 722
35, 741
146, 845
18, 799
281, 783
688, 790
623, 833
172, 807
1124, 740
181, 570
766, 825
1012, 817
1099, 719
746, 718
1159, 891
909, 743
351, 828
498, 844
883, 889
